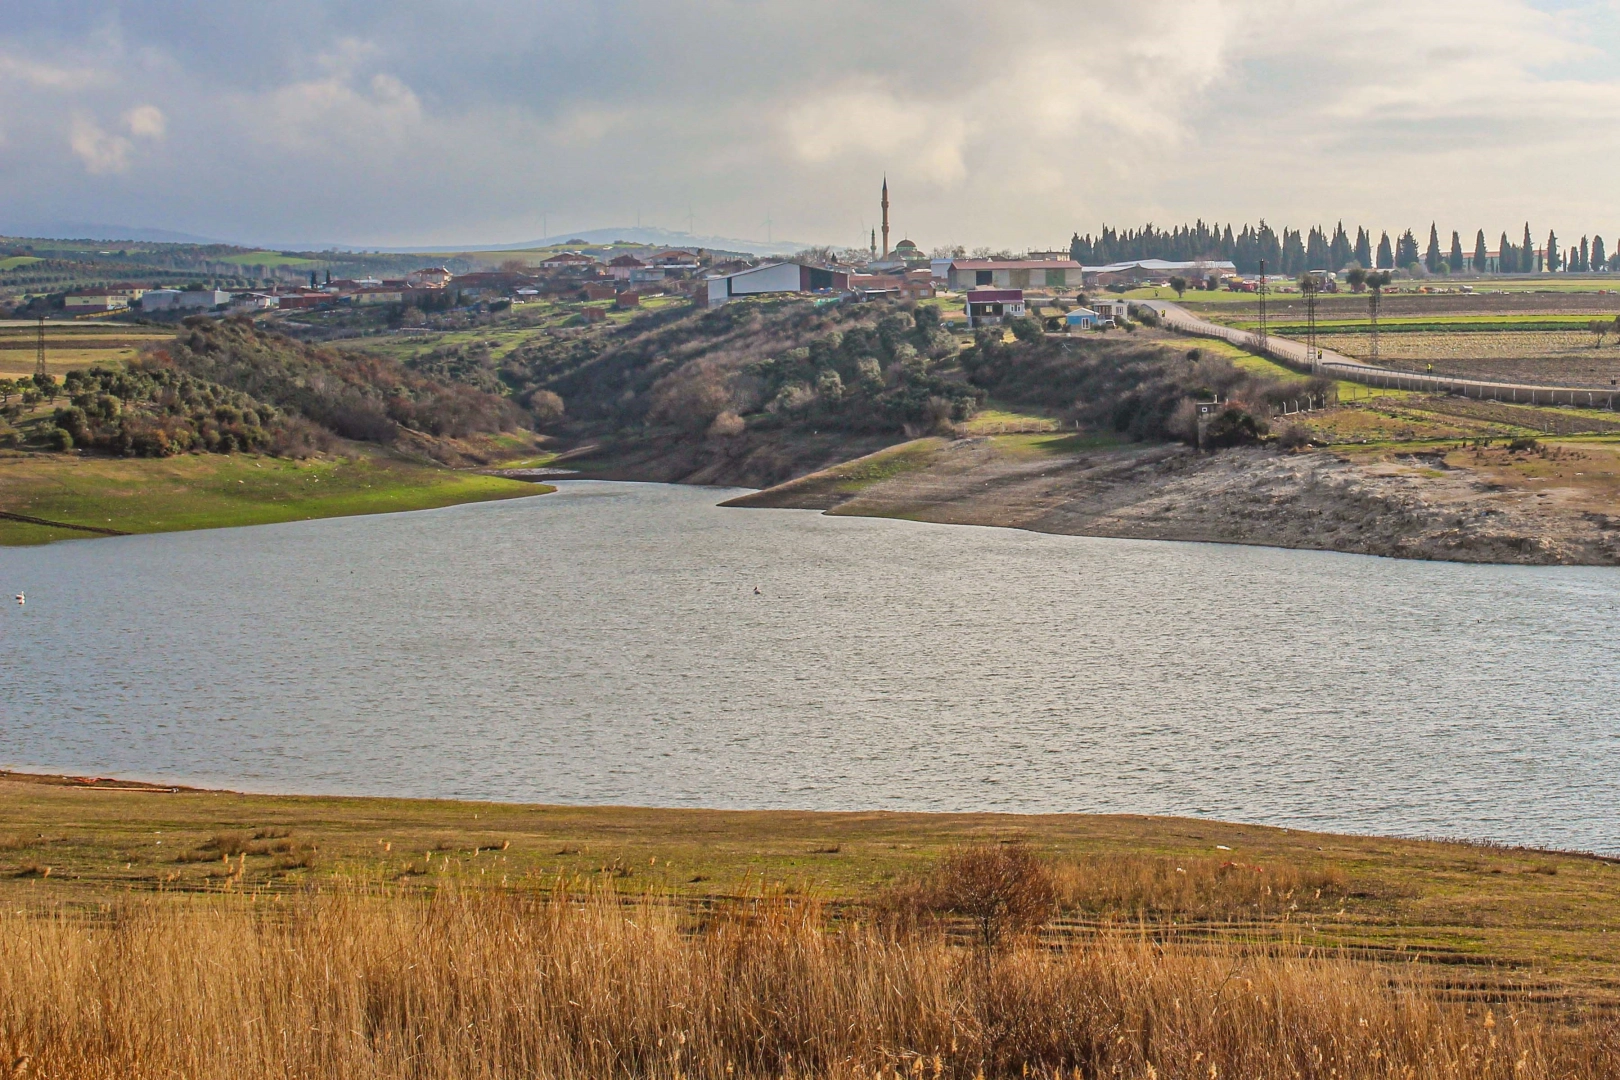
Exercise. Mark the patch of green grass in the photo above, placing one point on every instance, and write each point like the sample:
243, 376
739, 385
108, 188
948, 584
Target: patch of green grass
886, 464
206, 491
17, 260
272, 260
1057, 442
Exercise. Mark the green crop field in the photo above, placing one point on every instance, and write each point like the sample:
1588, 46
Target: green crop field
272, 260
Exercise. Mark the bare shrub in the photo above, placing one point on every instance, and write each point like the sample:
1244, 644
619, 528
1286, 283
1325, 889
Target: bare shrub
690, 397
546, 407
1294, 437
727, 425
1004, 888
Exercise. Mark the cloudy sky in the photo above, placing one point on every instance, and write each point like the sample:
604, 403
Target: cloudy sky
997, 123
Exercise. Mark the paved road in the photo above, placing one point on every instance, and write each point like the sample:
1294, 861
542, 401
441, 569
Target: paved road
1338, 366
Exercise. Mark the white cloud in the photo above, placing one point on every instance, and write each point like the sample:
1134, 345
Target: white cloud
43, 76
100, 151
146, 122
335, 115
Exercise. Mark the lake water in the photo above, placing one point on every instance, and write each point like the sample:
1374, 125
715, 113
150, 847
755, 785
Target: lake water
606, 645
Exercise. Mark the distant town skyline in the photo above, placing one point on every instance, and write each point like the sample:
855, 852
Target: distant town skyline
397, 126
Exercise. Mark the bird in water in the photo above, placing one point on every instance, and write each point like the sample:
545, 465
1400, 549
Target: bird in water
756, 593
22, 599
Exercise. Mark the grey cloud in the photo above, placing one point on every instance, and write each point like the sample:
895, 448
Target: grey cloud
1003, 124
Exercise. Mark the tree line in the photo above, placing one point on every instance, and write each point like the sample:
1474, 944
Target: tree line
1293, 251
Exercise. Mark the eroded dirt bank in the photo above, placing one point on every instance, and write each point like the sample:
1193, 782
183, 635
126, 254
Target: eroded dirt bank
1550, 505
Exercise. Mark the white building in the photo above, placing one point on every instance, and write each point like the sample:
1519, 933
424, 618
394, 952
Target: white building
1013, 273
183, 299
1114, 311
786, 277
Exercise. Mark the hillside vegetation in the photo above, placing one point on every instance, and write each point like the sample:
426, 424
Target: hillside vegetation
354, 394
1145, 390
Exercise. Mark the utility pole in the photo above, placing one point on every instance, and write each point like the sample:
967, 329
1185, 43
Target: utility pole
39, 348
1309, 285
1375, 286
1263, 339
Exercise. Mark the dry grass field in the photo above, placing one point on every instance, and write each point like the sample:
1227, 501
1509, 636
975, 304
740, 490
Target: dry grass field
580, 983
156, 932
69, 346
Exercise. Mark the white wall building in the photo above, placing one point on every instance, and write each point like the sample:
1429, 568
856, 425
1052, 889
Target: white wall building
183, 299
769, 278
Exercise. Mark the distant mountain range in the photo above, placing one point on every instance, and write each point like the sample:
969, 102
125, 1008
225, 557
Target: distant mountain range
100, 232
634, 234
104, 233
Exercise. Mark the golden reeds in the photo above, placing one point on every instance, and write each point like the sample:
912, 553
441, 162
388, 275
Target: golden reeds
468, 983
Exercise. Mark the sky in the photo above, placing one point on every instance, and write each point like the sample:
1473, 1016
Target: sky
1007, 125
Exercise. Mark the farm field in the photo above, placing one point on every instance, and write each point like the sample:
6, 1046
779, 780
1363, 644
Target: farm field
69, 346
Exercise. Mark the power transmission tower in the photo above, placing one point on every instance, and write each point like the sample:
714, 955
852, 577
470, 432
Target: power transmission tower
39, 348
1263, 338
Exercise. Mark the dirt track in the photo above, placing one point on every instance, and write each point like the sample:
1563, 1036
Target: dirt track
1431, 506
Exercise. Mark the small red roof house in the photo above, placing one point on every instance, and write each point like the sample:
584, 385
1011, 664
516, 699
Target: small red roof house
567, 260
988, 307
624, 266
594, 314
627, 299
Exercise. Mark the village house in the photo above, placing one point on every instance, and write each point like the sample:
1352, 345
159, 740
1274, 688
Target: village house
93, 301
568, 261
913, 285
1113, 312
1081, 319
988, 307
624, 265
434, 277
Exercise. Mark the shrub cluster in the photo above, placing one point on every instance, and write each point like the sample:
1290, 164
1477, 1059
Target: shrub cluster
153, 410
855, 368
1142, 390
355, 394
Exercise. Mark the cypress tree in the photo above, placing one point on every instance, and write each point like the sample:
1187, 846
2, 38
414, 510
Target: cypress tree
1431, 257
1599, 258
1317, 255
1553, 259
1406, 250
1481, 257
1456, 258
1586, 257
1364, 257
1386, 258
1507, 261
1527, 253
1339, 250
